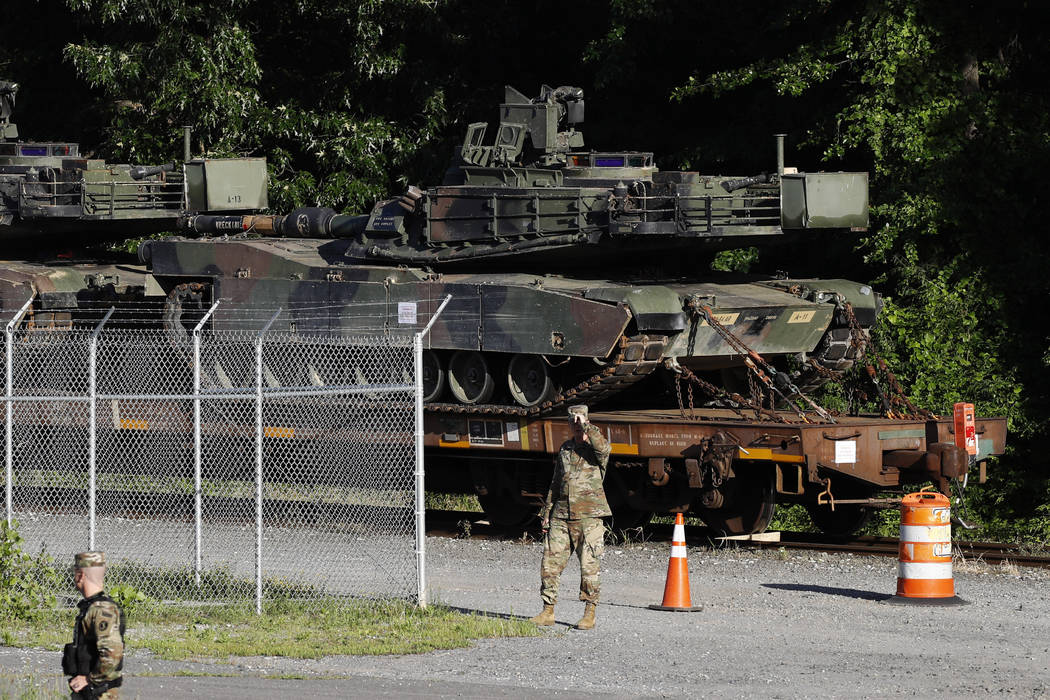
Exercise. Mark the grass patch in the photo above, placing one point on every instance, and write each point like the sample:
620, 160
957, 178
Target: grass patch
178, 583
452, 501
24, 687
792, 517
294, 629
229, 488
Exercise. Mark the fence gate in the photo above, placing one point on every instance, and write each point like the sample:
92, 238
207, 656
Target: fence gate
219, 465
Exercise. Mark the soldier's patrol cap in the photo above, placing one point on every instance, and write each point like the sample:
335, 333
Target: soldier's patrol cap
85, 560
578, 410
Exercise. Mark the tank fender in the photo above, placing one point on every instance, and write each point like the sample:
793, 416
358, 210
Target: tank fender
866, 302
655, 308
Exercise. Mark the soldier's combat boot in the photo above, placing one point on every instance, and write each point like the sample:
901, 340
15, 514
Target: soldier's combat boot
587, 621
546, 618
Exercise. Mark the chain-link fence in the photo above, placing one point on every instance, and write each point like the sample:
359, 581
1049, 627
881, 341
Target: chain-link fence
219, 465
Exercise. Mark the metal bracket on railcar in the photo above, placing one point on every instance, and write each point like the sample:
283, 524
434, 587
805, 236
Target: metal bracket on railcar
832, 501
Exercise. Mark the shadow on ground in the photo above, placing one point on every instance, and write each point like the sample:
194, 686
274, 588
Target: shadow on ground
486, 613
828, 590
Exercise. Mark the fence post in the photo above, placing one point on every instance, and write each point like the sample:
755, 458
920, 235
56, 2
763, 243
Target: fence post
259, 460
10, 418
92, 428
421, 522
197, 444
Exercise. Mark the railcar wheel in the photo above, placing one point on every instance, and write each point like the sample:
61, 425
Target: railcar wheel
529, 380
748, 506
433, 376
470, 378
501, 509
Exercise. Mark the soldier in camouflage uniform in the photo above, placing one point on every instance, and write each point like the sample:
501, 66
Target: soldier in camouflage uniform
96, 656
572, 516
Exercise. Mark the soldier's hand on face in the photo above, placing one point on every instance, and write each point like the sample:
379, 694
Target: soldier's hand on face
78, 683
579, 426
583, 429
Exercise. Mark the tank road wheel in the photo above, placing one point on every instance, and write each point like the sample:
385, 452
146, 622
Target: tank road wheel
501, 509
529, 380
433, 376
748, 503
469, 377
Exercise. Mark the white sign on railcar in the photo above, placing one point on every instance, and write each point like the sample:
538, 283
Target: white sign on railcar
845, 452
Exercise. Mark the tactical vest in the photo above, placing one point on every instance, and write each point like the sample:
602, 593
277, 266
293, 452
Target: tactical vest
78, 657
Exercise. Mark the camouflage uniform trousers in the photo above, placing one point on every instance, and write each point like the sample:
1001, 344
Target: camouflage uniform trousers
586, 537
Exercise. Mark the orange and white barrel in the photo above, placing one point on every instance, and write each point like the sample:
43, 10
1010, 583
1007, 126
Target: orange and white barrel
924, 573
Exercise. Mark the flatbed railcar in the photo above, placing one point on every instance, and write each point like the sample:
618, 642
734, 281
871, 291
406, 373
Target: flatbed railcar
716, 464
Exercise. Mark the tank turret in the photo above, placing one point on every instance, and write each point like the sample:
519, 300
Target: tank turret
534, 198
56, 203
49, 190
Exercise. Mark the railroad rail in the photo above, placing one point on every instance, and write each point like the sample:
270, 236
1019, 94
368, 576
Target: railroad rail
473, 525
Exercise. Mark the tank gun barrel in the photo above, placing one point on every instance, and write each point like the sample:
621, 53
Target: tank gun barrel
139, 172
742, 182
306, 222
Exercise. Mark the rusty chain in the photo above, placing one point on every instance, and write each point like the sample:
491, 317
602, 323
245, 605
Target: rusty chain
678, 391
865, 346
730, 398
752, 360
757, 396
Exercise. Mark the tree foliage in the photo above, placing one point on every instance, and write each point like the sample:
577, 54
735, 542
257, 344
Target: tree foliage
26, 582
940, 101
314, 86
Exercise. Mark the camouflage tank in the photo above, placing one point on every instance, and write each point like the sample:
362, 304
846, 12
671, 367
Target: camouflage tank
574, 274
54, 201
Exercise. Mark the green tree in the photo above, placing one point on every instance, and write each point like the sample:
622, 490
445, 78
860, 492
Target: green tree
319, 88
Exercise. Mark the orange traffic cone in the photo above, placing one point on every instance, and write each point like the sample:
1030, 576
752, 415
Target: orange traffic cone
676, 589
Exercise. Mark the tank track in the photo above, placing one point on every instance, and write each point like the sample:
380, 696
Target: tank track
637, 358
836, 353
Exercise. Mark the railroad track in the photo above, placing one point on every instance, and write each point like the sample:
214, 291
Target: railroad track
473, 525
997, 552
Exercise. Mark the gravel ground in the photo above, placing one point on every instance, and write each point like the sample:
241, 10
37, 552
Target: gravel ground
774, 624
